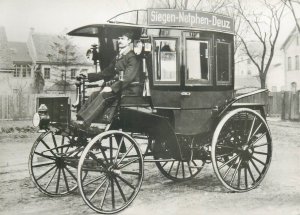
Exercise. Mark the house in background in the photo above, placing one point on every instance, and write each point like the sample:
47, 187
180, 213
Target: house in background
6, 63
57, 78
247, 75
291, 49
24, 64
22, 77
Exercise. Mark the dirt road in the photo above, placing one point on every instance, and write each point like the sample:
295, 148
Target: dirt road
279, 193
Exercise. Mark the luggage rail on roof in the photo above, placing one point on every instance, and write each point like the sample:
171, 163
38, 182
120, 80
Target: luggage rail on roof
139, 17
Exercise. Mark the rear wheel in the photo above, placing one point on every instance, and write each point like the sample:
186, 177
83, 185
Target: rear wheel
241, 150
53, 162
115, 169
176, 170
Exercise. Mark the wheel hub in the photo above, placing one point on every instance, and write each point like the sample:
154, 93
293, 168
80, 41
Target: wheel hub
60, 162
246, 152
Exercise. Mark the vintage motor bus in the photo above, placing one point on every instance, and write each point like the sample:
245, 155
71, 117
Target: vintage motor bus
186, 115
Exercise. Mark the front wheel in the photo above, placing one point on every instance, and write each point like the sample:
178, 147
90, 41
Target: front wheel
114, 164
53, 163
241, 150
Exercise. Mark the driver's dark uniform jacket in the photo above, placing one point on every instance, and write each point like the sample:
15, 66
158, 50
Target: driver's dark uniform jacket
98, 101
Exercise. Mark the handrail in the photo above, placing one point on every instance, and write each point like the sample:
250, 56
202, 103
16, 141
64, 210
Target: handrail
111, 20
239, 98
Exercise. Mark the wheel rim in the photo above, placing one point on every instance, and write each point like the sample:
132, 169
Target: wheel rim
180, 170
53, 163
174, 169
241, 150
115, 172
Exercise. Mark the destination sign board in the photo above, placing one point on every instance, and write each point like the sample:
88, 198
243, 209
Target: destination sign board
191, 19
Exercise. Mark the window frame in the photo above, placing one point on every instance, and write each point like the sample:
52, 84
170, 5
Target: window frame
297, 65
199, 82
289, 64
48, 75
73, 76
178, 61
230, 82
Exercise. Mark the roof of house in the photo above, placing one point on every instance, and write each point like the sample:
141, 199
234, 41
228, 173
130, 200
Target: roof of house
293, 32
19, 51
6, 62
42, 44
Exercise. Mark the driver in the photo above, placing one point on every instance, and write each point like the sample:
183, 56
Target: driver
126, 68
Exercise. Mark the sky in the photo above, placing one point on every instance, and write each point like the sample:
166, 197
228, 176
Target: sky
60, 16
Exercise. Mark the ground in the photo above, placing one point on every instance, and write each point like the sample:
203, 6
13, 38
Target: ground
278, 194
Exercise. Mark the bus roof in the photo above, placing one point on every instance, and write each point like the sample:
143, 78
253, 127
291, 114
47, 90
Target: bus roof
162, 19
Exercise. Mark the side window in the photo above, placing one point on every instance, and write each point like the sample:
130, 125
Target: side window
197, 62
165, 61
224, 68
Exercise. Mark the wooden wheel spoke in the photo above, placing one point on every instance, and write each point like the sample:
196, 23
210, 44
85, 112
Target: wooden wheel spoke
50, 180
251, 129
94, 180
183, 173
261, 153
255, 141
110, 150
259, 161
50, 150
62, 143
66, 180
45, 156
165, 163
104, 196
230, 160
235, 171
119, 148
227, 171
189, 167
43, 164
120, 190
239, 177
260, 145
255, 166
99, 161
256, 130
112, 192
126, 182
251, 175
58, 180
122, 158
177, 168
69, 171
104, 155
246, 179
45, 173
97, 189
171, 167
128, 163
54, 142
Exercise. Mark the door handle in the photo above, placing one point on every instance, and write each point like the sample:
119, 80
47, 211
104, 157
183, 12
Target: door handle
185, 93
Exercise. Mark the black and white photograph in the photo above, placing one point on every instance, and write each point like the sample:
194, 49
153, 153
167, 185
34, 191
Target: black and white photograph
165, 107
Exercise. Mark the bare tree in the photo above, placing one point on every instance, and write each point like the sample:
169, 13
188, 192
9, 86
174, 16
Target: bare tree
62, 55
216, 6
264, 27
291, 6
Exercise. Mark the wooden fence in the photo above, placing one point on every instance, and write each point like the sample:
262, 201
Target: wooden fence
23, 106
283, 104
